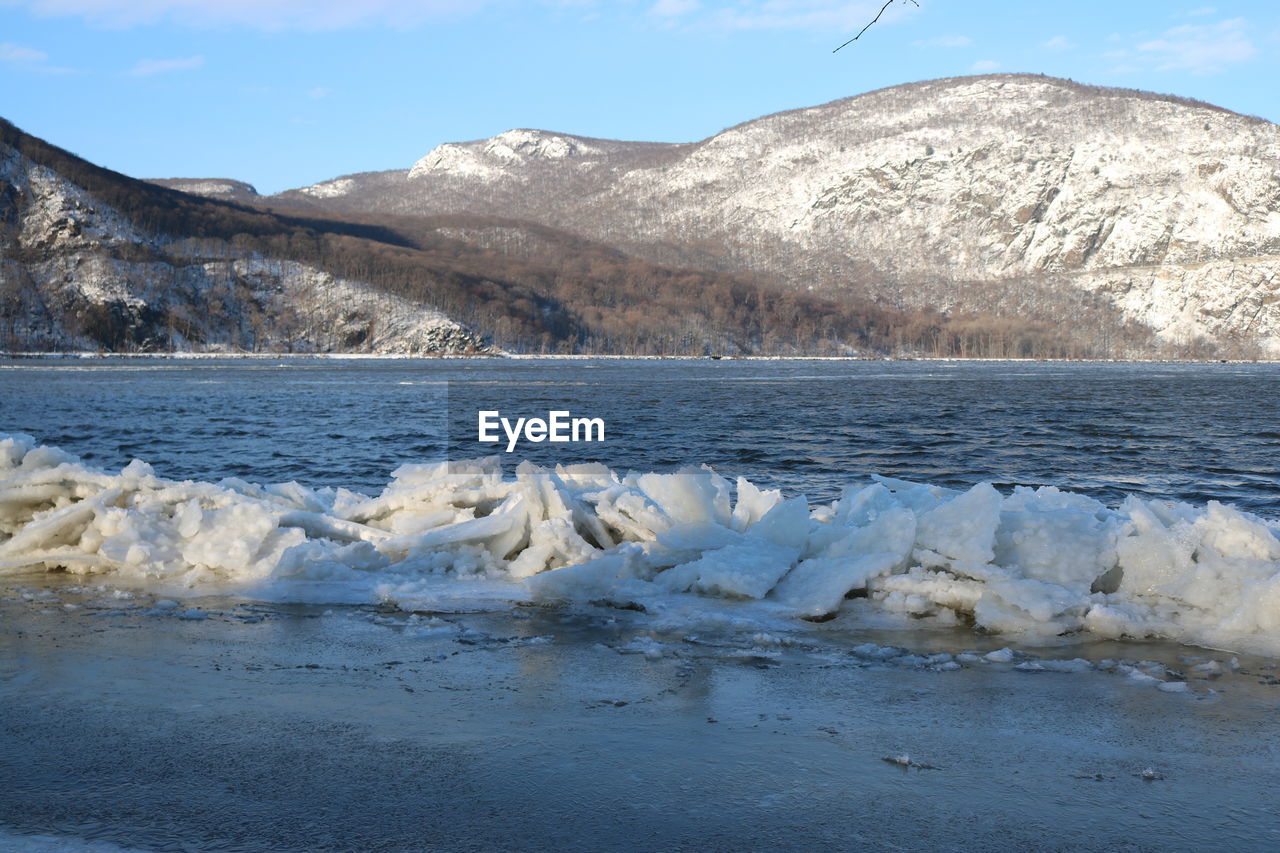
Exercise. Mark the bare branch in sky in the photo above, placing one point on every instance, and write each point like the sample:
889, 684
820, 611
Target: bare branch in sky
873, 20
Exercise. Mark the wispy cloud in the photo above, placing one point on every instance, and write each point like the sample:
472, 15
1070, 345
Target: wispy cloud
148, 67
1058, 43
944, 41
838, 16
258, 14
674, 8
19, 55
985, 66
1200, 49
28, 59
319, 93
834, 15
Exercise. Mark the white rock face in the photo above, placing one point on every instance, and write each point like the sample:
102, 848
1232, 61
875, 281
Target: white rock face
1174, 209
960, 194
211, 187
89, 264
58, 215
329, 189
506, 154
220, 188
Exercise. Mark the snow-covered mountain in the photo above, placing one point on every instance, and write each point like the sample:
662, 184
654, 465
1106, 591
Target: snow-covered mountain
1000, 193
91, 259
77, 273
226, 189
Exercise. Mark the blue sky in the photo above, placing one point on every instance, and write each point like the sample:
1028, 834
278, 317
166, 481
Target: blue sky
284, 93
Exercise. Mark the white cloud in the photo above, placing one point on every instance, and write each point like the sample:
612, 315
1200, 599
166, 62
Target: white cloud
257, 14
19, 55
147, 67
1058, 43
944, 41
834, 15
1203, 49
1201, 12
984, 66
29, 59
675, 8
319, 93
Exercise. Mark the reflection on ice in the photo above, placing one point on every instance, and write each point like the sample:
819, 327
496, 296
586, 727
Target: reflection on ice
1036, 562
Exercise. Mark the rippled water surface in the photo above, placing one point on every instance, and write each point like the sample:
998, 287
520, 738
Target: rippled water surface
290, 727
1189, 431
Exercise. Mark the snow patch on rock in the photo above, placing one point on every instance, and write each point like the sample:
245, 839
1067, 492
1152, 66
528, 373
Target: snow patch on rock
190, 293
330, 189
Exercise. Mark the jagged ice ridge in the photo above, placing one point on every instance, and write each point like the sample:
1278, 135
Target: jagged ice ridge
1035, 562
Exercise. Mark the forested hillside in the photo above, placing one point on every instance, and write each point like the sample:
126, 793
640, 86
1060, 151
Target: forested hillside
1097, 211
94, 259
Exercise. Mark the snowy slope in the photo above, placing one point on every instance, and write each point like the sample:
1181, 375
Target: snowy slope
77, 274
221, 188
1168, 209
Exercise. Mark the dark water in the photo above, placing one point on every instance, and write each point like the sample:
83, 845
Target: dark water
314, 730
1191, 432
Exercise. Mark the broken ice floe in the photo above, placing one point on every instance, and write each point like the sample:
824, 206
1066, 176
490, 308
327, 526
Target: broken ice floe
1036, 561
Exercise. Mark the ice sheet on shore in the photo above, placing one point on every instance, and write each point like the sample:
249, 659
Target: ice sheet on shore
1037, 561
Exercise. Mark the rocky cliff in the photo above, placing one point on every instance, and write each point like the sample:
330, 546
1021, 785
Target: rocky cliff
1002, 193
76, 273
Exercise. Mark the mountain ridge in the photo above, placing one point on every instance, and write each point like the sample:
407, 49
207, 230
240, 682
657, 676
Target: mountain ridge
92, 259
963, 216
1011, 180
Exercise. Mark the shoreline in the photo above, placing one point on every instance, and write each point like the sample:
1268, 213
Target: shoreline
259, 356
300, 728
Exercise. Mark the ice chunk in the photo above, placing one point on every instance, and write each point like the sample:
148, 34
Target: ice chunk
918, 497
1153, 553
892, 532
1075, 665
1071, 547
604, 578
1039, 561
748, 569
923, 592
690, 494
817, 586
647, 646
786, 524
964, 527
753, 504
13, 449
1024, 604
859, 506
553, 543
698, 537
491, 527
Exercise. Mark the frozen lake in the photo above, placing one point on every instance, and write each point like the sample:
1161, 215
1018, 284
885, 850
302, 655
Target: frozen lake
295, 728
617, 709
